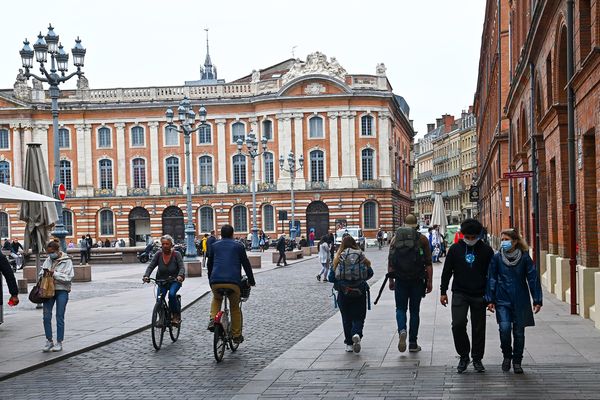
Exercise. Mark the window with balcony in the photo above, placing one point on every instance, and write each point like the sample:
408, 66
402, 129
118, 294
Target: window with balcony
206, 171
317, 166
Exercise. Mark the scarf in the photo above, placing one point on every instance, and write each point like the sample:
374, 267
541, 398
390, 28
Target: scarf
511, 259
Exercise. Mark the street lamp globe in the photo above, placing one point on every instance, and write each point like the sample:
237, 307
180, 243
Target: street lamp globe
191, 117
181, 113
202, 114
52, 40
301, 161
169, 116
78, 53
239, 143
281, 161
26, 55
41, 49
62, 59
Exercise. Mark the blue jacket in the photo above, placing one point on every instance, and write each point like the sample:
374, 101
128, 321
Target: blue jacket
226, 258
509, 288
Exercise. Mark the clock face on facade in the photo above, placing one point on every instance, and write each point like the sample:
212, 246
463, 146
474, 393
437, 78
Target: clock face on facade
474, 193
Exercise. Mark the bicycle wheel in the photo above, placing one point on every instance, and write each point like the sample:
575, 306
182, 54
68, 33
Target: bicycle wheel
158, 325
219, 343
174, 331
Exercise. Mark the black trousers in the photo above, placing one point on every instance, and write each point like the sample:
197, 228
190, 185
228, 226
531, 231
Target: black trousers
461, 304
282, 257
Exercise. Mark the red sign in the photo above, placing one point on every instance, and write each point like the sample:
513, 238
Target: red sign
518, 174
62, 192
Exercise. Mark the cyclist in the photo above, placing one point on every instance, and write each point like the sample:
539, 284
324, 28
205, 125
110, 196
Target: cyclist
170, 265
226, 258
380, 238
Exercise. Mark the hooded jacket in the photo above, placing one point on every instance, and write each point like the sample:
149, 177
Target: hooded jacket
63, 271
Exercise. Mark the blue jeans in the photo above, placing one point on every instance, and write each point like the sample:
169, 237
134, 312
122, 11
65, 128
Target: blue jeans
174, 305
512, 340
408, 295
61, 297
354, 312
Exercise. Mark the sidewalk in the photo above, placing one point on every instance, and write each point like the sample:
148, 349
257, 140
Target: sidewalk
114, 305
557, 338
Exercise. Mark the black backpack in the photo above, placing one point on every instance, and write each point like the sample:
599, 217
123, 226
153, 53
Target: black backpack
406, 256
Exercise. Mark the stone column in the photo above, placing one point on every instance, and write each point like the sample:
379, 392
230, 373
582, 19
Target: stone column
334, 180
348, 148
300, 182
121, 189
27, 138
17, 151
221, 156
284, 140
383, 156
154, 188
40, 135
89, 162
81, 188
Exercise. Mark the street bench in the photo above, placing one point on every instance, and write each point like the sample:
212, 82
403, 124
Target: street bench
289, 255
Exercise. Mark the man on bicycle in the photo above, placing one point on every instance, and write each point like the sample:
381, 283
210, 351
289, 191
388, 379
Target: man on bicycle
170, 267
380, 238
226, 258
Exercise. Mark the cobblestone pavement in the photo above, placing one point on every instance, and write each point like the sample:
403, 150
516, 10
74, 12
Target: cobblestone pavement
286, 305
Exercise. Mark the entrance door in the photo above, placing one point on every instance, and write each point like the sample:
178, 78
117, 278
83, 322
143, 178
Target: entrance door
139, 226
172, 223
317, 218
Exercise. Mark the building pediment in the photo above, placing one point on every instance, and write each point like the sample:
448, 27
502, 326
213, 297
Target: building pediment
316, 64
312, 85
9, 102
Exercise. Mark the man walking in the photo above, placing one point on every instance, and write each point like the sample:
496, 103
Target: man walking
467, 262
281, 249
410, 273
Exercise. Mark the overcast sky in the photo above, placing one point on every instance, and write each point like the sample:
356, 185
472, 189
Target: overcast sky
430, 47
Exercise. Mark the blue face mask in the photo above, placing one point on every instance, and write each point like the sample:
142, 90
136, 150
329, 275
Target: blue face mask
53, 256
506, 244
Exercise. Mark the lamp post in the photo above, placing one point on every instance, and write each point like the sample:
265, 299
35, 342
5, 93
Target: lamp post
59, 63
186, 119
292, 169
253, 151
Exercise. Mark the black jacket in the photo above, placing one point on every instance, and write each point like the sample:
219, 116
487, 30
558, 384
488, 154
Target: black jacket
15, 246
468, 280
7, 271
281, 244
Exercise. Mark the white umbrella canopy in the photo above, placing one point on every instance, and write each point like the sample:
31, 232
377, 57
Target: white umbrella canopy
438, 216
11, 194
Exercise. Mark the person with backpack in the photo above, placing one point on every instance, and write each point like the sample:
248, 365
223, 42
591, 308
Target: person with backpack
468, 262
410, 273
349, 275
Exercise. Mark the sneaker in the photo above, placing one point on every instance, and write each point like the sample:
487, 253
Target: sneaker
325, 280
517, 368
319, 278
349, 348
414, 348
57, 347
48, 347
506, 364
402, 341
463, 364
211, 325
237, 339
478, 366
356, 343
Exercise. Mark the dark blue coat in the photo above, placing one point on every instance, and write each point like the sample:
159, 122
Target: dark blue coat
226, 258
509, 288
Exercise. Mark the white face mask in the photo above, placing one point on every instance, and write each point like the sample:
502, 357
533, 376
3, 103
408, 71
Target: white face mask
471, 242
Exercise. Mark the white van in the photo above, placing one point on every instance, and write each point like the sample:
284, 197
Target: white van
353, 231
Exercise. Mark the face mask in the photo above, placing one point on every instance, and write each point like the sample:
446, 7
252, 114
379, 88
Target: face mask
53, 256
506, 244
471, 242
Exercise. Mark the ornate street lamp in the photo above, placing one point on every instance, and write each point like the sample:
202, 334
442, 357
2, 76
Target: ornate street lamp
292, 169
253, 148
185, 124
59, 63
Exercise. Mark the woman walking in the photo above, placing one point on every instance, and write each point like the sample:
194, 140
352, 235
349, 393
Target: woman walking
350, 272
324, 251
60, 267
512, 278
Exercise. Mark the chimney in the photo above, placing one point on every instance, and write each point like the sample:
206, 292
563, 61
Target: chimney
439, 122
470, 109
448, 122
430, 127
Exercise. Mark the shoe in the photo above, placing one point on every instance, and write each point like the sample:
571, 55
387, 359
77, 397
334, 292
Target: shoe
211, 325
57, 347
48, 347
237, 339
414, 348
517, 368
175, 320
319, 278
506, 364
478, 366
402, 341
278, 265
325, 280
463, 364
349, 348
356, 343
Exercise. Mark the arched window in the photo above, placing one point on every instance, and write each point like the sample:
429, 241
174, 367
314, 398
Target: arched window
367, 164
366, 125
68, 221
171, 136
315, 127
370, 215
207, 221
238, 131
104, 140
240, 218
137, 136
4, 142
3, 224
204, 134
268, 218
66, 174
107, 227
269, 168
267, 129
239, 169
5, 172
63, 138
106, 176
138, 166
172, 164
206, 171
317, 166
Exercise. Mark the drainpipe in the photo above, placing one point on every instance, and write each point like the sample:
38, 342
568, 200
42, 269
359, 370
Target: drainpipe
501, 205
571, 150
534, 169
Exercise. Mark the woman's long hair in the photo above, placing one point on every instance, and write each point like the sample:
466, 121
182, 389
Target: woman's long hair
348, 242
514, 235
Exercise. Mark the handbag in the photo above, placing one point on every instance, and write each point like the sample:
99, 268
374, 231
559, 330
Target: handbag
35, 293
47, 286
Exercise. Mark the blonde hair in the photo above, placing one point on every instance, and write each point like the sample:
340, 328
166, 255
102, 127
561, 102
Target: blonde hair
514, 235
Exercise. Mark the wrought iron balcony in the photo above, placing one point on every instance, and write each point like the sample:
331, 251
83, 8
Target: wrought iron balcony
427, 194
104, 192
370, 184
440, 177
266, 187
204, 189
137, 192
316, 185
440, 159
170, 191
238, 188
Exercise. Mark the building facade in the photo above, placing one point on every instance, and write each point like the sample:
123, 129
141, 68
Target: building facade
124, 169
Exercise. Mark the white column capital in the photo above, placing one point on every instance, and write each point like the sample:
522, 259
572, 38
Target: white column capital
153, 124
283, 116
297, 115
220, 121
119, 125
253, 120
333, 115
383, 115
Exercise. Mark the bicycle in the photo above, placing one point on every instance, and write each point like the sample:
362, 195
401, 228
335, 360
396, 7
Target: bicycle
222, 337
161, 316
380, 243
